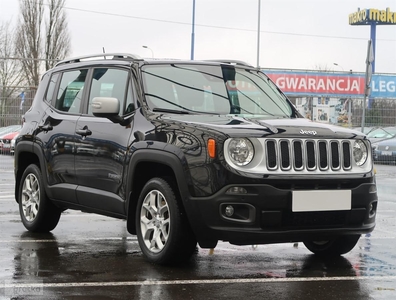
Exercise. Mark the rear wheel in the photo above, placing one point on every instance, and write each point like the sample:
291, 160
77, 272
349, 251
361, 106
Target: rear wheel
333, 247
38, 213
163, 230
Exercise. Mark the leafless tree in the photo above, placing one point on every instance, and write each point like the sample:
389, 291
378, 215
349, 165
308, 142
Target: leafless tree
58, 38
37, 43
28, 38
10, 69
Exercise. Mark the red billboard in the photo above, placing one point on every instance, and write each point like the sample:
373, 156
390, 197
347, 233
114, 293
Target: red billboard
318, 83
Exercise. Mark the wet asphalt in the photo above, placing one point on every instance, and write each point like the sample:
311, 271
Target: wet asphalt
93, 257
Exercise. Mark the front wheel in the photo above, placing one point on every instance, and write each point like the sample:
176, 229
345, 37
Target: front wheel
38, 213
163, 231
333, 247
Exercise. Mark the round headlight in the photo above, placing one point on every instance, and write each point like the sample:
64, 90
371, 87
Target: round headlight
241, 151
359, 152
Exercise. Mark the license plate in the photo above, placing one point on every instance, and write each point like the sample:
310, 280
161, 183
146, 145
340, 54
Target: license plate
386, 153
6, 145
324, 200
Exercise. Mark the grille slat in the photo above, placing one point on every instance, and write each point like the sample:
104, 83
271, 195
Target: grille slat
346, 151
271, 155
298, 155
285, 156
323, 155
310, 155
335, 155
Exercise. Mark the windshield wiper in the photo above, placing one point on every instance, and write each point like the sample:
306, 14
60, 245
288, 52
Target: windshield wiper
171, 111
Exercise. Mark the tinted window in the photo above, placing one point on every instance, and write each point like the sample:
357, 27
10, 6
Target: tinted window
109, 83
386, 132
71, 91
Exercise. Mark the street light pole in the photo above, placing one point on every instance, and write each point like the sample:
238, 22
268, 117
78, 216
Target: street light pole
152, 52
258, 34
193, 31
339, 66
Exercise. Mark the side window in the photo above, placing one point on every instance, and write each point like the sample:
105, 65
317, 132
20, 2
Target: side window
51, 87
109, 83
71, 90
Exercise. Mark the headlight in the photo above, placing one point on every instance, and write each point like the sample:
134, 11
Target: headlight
359, 152
241, 151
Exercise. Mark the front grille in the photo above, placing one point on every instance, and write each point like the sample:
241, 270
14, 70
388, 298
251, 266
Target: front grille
310, 155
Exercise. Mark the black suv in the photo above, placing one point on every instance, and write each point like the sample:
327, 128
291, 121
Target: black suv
187, 152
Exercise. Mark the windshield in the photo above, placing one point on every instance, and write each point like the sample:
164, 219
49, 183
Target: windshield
386, 132
213, 89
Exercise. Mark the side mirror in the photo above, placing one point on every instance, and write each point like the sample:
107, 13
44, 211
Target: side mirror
105, 107
109, 107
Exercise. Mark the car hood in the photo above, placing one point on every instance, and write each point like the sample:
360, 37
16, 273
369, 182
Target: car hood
387, 142
234, 125
10, 136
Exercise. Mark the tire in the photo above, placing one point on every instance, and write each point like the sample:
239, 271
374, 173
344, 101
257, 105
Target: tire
334, 247
163, 231
38, 213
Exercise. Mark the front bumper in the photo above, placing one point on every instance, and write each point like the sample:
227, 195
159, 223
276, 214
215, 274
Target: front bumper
264, 215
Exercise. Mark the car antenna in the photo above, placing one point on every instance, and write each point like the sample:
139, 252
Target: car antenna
104, 52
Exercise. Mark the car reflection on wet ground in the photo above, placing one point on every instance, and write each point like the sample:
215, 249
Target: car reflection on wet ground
93, 257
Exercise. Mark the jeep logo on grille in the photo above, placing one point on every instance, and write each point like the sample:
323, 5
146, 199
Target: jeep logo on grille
311, 132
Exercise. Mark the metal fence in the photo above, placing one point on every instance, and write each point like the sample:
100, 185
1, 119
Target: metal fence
13, 108
381, 113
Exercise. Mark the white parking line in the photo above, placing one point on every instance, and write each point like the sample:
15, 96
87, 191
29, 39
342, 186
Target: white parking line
193, 282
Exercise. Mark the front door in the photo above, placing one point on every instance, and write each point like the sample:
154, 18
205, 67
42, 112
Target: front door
101, 145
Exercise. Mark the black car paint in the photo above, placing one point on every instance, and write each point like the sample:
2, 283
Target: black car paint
178, 142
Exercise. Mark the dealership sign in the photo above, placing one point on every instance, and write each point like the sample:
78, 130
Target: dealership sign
383, 86
332, 84
368, 16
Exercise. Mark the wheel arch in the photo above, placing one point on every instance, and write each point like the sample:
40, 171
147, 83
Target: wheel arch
146, 164
25, 155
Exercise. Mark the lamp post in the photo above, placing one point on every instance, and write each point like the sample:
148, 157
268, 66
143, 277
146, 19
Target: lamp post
339, 66
152, 52
193, 32
258, 33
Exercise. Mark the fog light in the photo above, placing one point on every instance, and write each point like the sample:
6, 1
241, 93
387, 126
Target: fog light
229, 210
371, 210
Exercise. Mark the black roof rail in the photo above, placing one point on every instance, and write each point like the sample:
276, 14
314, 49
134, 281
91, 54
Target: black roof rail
125, 56
231, 62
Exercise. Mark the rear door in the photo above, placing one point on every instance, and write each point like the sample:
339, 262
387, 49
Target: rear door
65, 94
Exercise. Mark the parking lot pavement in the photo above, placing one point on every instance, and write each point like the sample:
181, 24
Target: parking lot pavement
90, 256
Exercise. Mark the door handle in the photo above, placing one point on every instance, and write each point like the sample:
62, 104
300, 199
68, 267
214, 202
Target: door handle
84, 132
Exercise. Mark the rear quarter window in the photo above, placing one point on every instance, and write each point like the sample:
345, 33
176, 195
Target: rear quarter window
51, 87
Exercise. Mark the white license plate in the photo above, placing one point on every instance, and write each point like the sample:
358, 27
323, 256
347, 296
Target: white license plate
324, 200
6, 145
386, 153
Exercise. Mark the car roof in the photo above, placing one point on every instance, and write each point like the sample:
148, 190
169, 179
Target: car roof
126, 57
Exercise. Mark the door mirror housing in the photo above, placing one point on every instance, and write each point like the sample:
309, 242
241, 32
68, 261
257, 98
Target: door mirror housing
105, 107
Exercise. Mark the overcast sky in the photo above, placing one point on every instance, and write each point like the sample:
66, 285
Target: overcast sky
294, 34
